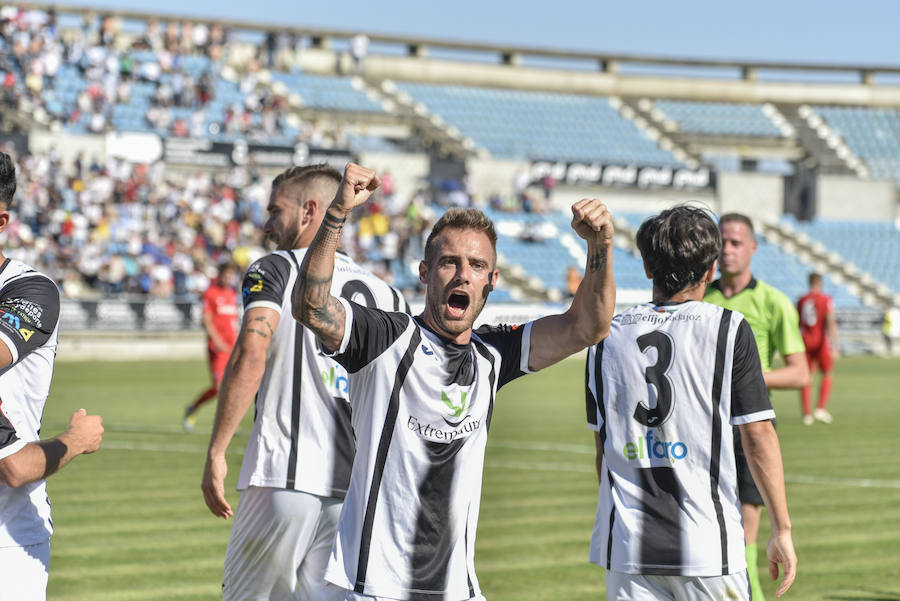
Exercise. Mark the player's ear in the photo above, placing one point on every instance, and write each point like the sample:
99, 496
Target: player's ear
647, 271
309, 210
423, 272
711, 272
4, 219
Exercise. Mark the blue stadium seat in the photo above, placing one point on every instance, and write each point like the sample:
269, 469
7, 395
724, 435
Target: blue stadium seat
540, 125
719, 118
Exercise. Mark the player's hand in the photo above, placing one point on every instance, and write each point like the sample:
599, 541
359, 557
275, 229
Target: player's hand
85, 431
213, 486
221, 347
780, 550
591, 220
357, 186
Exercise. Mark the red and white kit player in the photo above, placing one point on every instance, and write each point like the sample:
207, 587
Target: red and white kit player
820, 335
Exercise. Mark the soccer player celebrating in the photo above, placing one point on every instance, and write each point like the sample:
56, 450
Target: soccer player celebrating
29, 314
820, 335
297, 465
423, 391
220, 314
775, 325
662, 391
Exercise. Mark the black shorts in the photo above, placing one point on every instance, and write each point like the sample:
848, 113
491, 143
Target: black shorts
747, 491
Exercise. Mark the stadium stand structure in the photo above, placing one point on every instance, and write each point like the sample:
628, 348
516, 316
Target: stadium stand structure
466, 102
869, 251
872, 135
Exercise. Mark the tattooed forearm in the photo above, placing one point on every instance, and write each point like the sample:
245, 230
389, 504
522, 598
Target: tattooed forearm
265, 322
260, 332
597, 261
312, 302
332, 222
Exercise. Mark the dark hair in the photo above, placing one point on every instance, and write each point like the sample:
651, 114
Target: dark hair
815, 278
7, 181
678, 247
306, 173
463, 219
736, 218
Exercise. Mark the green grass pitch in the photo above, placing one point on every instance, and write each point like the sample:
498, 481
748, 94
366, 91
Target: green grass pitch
131, 523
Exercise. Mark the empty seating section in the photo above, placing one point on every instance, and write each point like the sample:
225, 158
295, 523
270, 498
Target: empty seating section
872, 246
548, 255
790, 275
778, 268
719, 118
873, 135
333, 93
539, 125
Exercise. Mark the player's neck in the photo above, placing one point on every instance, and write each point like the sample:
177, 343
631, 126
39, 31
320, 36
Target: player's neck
731, 284
434, 326
692, 293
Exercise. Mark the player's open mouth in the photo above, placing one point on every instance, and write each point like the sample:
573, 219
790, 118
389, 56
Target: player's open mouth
457, 304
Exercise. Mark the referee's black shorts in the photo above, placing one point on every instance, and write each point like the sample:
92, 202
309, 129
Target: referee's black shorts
747, 491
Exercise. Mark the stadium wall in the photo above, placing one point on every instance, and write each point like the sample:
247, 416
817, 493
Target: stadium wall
851, 198
409, 171
757, 194
491, 176
67, 145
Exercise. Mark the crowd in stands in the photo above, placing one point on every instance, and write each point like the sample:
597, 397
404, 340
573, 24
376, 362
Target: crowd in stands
179, 60
121, 229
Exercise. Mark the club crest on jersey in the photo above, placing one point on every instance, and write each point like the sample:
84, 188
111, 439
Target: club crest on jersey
456, 407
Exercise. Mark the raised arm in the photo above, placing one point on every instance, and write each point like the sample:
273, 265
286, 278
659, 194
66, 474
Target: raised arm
764, 458
312, 303
587, 320
239, 385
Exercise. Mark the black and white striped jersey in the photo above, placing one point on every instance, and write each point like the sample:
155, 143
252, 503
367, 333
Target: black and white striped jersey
663, 391
301, 437
422, 407
29, 316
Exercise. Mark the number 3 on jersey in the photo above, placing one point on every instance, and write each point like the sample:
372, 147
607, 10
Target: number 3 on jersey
656, 375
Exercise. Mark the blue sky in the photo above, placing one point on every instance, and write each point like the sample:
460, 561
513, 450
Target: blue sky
863, 31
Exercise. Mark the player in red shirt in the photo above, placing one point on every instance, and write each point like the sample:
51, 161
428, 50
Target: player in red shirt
220, 320
820, 335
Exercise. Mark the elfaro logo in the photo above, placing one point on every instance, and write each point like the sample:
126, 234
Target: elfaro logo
654, 449
340, 383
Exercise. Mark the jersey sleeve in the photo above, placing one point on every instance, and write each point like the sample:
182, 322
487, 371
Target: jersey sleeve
785, 332
749, 397
29, 312
593, 387
367, 334
265, 283
514, 345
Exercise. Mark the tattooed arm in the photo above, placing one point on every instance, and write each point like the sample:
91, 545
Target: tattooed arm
239, 385
587, 320
312, 303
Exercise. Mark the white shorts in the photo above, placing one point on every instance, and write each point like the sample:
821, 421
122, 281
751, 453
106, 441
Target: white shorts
648, 587
279, 546
23, 572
